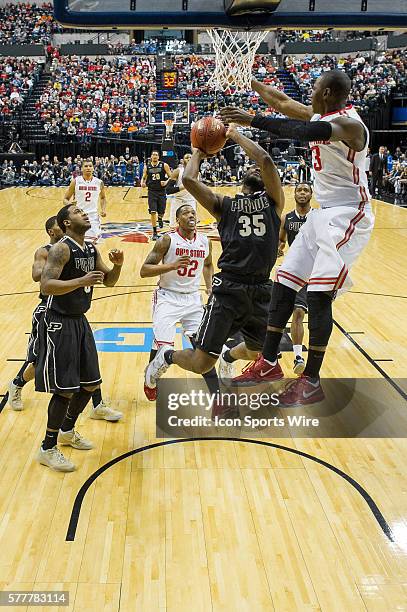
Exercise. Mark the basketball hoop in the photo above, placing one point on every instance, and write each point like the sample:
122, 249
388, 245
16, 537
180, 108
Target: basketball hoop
169, 126
234, 58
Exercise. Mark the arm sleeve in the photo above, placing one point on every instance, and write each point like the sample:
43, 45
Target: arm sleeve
288, 128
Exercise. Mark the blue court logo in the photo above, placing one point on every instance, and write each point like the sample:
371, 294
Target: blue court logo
128, 339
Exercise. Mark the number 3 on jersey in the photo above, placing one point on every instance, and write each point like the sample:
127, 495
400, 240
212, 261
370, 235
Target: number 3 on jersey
316, 158
254, 224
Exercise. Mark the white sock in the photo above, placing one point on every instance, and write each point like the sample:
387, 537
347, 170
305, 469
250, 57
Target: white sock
297, 348
273, 363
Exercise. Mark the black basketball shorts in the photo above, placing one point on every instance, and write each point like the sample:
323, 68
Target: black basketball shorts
234, 307
301, 299
32, 349
67, 356
156, 202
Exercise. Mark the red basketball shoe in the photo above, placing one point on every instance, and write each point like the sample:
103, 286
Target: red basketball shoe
150, 393
301, 392
259, 371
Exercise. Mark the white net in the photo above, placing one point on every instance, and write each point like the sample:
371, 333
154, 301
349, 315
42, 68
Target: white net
234, 57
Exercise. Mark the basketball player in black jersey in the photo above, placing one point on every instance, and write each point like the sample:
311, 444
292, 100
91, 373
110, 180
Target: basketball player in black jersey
67, 364
27, 370
100, 409
291, 223
248, 226
155, 176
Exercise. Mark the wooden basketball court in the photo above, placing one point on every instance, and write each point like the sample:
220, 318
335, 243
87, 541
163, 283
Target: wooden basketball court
204, 525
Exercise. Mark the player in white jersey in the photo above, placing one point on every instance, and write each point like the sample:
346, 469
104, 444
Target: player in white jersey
333, 236
87, 189
179, 258
177, 192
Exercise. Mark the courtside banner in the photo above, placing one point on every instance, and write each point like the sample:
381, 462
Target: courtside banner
350, 408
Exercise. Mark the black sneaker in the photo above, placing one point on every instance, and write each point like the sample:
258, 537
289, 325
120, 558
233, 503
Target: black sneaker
299, 365
154, 236
160, 223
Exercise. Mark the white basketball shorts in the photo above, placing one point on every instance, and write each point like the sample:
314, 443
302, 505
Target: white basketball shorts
172, 307
326, 247
95, 230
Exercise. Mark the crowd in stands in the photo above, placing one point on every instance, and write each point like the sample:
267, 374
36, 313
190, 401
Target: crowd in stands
372, 79
316, 36
109, 97
17, 77
123, 170
22, 23
150, 46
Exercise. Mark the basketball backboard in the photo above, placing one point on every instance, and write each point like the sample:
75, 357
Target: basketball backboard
192, 14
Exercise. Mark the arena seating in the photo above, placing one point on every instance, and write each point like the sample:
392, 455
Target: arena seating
23, 23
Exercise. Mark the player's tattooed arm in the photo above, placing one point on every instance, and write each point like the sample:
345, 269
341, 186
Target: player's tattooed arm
282, 239
69, 193
203, 194
110, 276
208, 270
152, 265
102, 200
40, 259
58, 256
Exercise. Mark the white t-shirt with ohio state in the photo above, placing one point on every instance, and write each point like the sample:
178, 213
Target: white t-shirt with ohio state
339, 172
87, 194
185, 280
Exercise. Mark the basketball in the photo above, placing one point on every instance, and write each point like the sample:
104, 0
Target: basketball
209, 135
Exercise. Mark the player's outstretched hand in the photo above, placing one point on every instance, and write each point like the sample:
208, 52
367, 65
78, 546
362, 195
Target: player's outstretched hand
181, 262
231, 131
92, 278
230, 114
116, 257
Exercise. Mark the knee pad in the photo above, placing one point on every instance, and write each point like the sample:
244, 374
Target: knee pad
319, 317
281, 305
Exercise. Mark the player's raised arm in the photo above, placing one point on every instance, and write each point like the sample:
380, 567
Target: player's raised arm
282, 103
203, 194
152, 265
40, 259
69, 193
208, 270
102, 200
58, 256
268, 170
110, 275
343, 129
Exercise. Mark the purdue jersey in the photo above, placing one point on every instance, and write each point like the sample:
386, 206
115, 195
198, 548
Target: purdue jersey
248, 229
339, 172
185, 280
81, 261
42, 297
156, 174
292, 225
87, 193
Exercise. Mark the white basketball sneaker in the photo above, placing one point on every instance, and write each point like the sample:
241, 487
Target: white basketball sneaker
14, 397
73, 438
54, 459
156, 368
226, 370
105, 412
